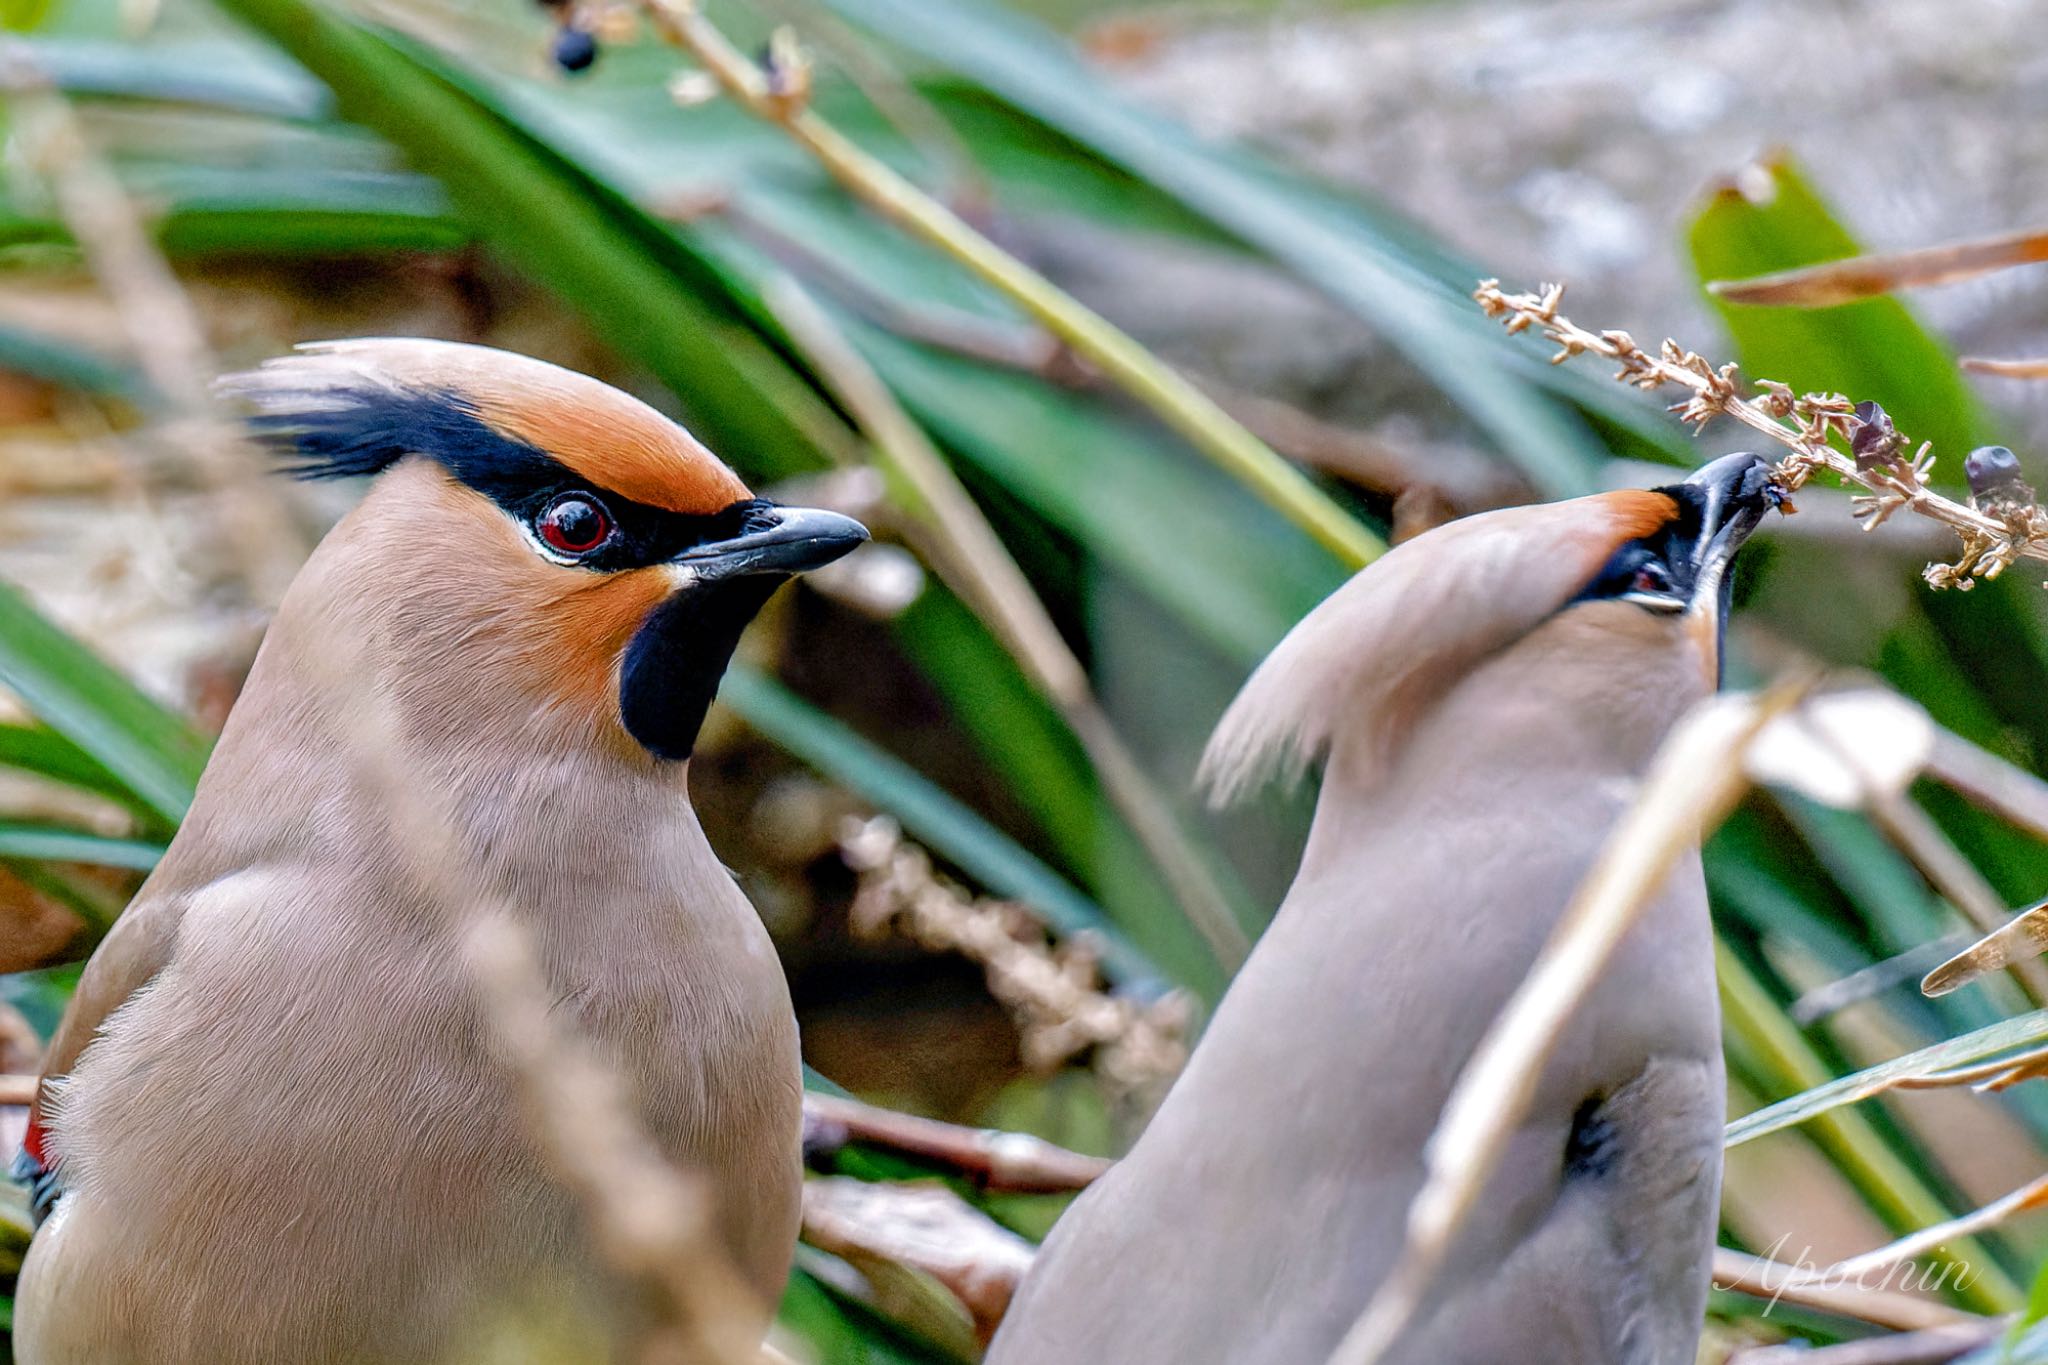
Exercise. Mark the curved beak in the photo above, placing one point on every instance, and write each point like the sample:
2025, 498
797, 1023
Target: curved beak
777, 540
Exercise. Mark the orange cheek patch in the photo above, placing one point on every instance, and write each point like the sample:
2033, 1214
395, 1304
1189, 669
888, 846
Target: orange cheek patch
585, 633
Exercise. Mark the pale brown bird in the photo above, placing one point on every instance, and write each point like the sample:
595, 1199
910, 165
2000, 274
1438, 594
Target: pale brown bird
273, 1121
1483, 699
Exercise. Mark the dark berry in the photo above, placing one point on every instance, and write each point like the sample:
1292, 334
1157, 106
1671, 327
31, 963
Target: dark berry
575, 49
1992, 469
1873, 440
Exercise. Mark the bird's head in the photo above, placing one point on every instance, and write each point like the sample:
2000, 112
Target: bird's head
1613, 605
531, 532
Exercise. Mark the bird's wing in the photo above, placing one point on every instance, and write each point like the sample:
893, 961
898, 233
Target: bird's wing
134, 951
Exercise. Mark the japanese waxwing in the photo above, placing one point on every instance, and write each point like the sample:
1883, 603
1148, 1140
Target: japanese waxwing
1483, 699
274, 1122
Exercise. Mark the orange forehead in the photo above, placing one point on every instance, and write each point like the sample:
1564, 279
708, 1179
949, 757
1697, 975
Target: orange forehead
1635, 513
616, 442
610, 438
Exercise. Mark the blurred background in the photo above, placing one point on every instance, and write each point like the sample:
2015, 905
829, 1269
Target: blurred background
995, 895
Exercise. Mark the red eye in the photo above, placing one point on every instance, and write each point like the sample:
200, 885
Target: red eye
574, 524
1651, 578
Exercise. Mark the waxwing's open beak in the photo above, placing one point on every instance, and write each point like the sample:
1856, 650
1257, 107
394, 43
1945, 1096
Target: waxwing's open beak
1733, 493
777, 540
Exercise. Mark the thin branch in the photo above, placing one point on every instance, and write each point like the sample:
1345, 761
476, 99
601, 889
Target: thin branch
2027, 368
1929, 1346
2029, 1196
1762, 1278
1013, 1163
1803, 424
779, 92
652, 1221
1833, 283
1696, 776
885, 1227
953, 536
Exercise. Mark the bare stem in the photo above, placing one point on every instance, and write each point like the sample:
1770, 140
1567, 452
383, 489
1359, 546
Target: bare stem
779, 93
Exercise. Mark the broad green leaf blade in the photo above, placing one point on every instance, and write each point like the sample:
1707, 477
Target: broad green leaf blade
1872, 350
51, 844
2028, 1030
929, 815
42, 751
565, 228
63, 684
1340, 251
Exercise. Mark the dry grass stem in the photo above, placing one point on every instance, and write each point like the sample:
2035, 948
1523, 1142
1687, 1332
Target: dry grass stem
2005, 789
2000, 1074
1913, 832
2032, 1195
1892, 1309
778, 89
948, 529
1055, 993
2020, 940
1014, 1163
652, 1222
1928, 1346
1994, 538
1695, 777
649, 1222
18, 1090
162, 328
1833, 283
2032, 368
881, 1228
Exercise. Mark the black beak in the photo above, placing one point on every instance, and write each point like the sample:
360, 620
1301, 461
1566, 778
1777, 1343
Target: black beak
776, 540
1731, 494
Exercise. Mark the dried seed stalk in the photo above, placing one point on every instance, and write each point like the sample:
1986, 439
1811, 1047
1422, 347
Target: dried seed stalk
1994, 536
1053, 992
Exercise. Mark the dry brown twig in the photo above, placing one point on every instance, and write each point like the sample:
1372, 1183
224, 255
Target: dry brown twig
1015, 1163
1054, 993
1995, 534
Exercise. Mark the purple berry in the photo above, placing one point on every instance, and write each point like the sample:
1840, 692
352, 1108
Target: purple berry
1992, 469
575, 49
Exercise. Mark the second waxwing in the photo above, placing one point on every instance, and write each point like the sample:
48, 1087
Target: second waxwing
1483, 700
274, 1124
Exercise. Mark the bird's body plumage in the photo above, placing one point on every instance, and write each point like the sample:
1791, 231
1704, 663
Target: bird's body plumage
1479, 741
284, 1129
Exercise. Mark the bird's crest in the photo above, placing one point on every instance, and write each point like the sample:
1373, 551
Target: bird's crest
1377, 650
347, 408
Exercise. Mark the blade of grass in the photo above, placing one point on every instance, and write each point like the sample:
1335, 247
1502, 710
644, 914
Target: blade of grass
956, 539
63, 684
1894, 1191
935, 819
1178, 403
53, 844
1385, 273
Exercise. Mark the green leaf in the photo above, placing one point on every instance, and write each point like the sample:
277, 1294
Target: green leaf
152, 752
568, 230
53, 844
944, 825
1875, 349
44, 752
1383, 273
2028, 1030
